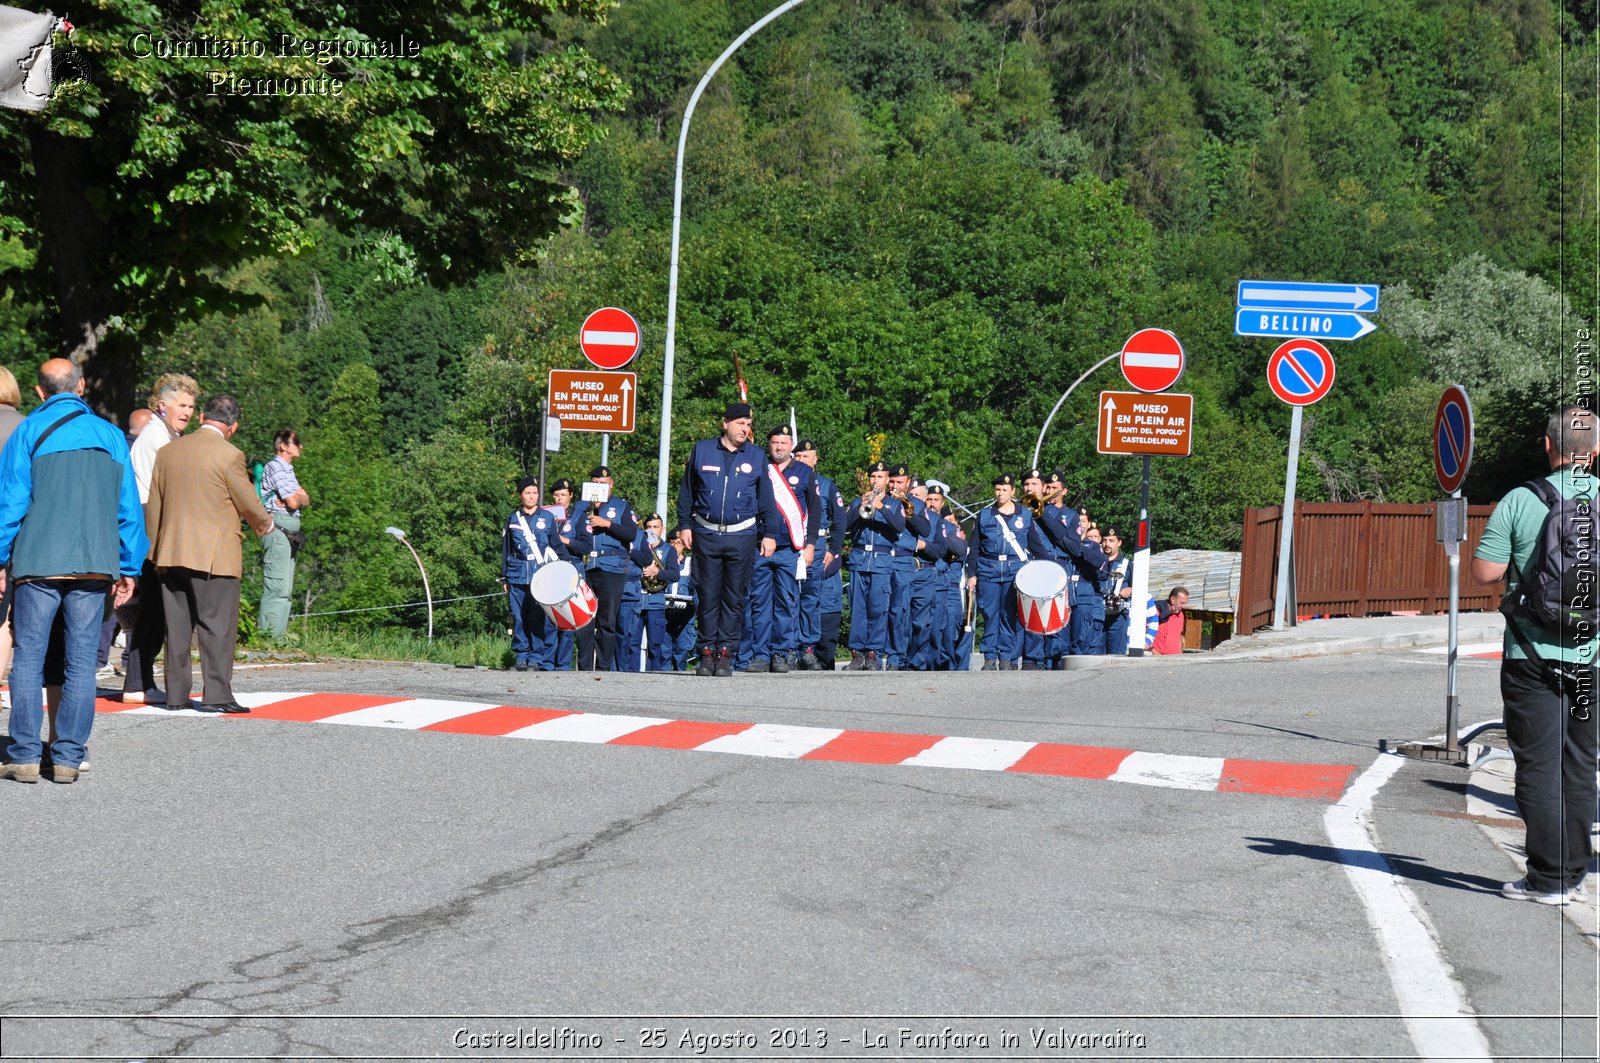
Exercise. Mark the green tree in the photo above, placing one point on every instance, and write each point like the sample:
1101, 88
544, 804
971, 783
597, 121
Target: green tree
436, 128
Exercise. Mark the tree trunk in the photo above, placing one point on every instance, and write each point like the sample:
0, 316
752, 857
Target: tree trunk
79, 245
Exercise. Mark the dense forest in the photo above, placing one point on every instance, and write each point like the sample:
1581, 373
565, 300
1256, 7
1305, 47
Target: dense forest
916, 223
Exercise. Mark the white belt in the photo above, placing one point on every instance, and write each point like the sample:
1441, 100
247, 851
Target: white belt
741, 526
880, 549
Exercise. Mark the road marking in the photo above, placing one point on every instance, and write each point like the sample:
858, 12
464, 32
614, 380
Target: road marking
1488, 651
1432, 1002
1318, 782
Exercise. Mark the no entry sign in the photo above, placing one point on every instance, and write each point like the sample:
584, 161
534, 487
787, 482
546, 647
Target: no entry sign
1452, 438
1300, 372
610, 337
1152, 360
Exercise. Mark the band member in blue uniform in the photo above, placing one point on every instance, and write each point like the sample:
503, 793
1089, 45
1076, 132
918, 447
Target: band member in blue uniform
1004, 538
1119, 592
1039, 651
525, 544
1057, 512
876, 522
630, 621
823, 588
559, 507
612, 529
951, 599
777, 577
681, 627
928, 587
654, 586
1086, 567
911, 540
724, 492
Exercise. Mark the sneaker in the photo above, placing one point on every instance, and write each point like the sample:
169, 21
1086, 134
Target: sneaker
153, 696
107, 674
758, 665
873, 662
990, 665
724, 667
808, 660
857, 661
20, 772
1519, 891
1030, 666
780, 665
706, 665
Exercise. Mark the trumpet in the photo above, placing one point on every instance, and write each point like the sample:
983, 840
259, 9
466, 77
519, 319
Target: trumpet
1035, 503
868, 495
905, 503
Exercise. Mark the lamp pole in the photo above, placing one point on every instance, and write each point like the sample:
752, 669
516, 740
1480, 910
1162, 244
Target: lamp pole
1037, 447
663, 457
426, 590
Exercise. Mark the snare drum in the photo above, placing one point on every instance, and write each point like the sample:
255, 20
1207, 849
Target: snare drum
563, 594
1042, 597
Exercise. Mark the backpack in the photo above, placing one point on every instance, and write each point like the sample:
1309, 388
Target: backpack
1558, 591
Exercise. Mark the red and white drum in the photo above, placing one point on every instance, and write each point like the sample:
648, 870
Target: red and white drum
1042, 597
563, 594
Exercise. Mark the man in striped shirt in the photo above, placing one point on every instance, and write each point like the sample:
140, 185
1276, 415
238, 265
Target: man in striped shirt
284, 498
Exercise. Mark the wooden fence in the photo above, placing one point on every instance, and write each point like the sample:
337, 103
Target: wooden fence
1356, 559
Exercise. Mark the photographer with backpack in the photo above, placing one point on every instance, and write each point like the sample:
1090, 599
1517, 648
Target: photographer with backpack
1541, 540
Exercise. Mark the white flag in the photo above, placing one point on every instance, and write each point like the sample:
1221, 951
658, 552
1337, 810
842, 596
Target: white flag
25, 58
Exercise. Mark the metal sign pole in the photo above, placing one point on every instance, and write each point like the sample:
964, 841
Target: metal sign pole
1141, 567
1452, 698
1280, 619
605, 448
544, 433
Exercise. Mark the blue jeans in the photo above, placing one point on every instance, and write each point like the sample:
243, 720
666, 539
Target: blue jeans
83, 604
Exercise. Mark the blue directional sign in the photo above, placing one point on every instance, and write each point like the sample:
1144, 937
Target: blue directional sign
1305, 295
1322, 325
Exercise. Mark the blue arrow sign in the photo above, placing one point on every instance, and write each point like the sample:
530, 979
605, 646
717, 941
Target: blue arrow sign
1327, 325
1305, 295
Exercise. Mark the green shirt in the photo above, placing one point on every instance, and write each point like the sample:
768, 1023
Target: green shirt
1510, 536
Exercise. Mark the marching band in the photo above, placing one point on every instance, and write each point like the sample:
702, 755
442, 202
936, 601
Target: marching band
752, 577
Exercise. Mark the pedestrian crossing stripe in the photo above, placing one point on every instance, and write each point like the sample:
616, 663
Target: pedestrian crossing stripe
1487, 651
1319, 782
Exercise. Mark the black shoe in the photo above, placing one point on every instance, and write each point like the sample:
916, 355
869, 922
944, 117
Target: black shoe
808, 660
1008, 666
233, 708
707, 665
858, 661
780, 665
758, 665
872, 662
724, 667
208, 708
519, 667
990, 665
1031, 666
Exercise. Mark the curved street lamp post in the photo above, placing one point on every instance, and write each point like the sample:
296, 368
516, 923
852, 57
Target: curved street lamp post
426, 590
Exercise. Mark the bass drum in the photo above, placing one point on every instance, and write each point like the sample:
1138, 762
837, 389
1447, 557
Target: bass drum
1042, 597
563, 595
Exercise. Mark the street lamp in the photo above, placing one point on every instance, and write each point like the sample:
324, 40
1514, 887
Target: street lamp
663, 458
426, 590
1037, 447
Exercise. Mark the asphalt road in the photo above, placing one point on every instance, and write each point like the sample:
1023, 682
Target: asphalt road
248, 887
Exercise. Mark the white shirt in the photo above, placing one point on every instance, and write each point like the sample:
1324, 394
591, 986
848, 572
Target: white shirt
152, 437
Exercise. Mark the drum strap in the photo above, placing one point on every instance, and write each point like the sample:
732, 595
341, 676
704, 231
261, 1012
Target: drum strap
1011, 540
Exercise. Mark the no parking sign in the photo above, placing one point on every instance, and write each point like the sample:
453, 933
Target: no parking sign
1452, 438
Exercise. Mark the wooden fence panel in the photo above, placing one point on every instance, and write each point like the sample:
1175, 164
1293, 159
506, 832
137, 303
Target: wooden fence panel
1356, 559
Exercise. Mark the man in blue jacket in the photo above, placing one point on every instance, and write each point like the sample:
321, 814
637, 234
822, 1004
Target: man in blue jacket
724, 494
72, 530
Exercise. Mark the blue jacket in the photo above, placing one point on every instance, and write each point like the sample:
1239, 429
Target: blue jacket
667, 558
609, 548
725, 487
521, 557
832, 515
74, 507
875, 535
989, 542
802, 480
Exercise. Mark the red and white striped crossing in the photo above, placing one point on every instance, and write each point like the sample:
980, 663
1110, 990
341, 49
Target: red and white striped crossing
1320, 782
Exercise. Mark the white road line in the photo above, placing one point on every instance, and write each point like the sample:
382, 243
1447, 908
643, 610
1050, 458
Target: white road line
405, 712
773, 740
586, 727
981, 754
1424, 983
1167, 769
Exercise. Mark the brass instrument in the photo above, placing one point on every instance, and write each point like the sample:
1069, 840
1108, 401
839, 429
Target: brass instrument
905, 504
1035, 503
868, 495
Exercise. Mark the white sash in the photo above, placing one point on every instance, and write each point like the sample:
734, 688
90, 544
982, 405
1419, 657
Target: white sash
548, 555
1005, 529
789, 506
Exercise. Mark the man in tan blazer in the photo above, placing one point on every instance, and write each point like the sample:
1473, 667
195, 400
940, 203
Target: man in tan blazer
199, 491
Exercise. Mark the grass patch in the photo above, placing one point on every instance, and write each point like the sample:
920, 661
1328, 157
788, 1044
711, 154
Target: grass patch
390, 644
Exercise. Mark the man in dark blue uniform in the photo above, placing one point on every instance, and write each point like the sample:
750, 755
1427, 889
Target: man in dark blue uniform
725, 491
951, 599
824, 587
613, 530
877, 520
1004, 538
905, 564
1086, 567
1057, 513
525, 544
1039, 651
1119, 593
928, 587
776, 580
